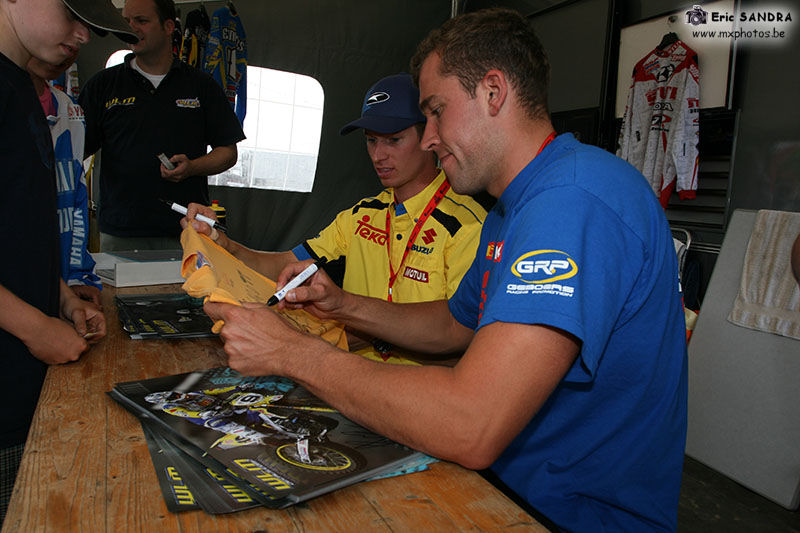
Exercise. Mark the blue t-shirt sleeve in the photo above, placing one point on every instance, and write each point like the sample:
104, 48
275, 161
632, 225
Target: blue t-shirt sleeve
570, 263
464, 304
300, 252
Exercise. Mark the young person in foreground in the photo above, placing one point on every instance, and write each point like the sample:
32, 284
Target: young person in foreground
42, 321
572, 388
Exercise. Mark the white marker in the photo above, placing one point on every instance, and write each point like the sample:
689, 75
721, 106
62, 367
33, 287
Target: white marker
165, 161
295, 282
182, 210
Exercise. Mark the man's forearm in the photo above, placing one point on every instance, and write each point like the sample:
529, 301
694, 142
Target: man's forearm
17, 316
467, 414
424, 327
67, 299
267, 264
218, 160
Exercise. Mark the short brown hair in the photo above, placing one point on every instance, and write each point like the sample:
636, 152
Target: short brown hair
472, 44
166, 10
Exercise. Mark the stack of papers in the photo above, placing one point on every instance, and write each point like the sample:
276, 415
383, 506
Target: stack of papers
224, 442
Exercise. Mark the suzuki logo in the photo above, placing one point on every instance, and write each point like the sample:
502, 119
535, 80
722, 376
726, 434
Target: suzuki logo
428, 235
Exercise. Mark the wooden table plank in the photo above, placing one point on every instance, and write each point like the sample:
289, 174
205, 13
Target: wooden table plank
87, 467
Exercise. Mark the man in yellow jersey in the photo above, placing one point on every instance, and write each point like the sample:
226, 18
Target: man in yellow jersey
412, 242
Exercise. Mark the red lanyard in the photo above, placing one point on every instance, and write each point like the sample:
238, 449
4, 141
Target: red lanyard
546, 142
437, 197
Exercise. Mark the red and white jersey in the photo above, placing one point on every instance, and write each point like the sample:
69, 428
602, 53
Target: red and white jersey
661, 124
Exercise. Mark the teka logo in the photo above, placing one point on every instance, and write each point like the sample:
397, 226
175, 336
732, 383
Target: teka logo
370, 233
428, 236
544, 266
376, 98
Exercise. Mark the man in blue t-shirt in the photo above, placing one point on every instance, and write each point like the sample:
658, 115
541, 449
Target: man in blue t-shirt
572, 388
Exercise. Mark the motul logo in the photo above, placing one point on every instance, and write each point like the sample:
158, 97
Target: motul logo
416, 275
428, 236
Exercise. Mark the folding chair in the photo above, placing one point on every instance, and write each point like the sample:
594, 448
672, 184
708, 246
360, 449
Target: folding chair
682, 239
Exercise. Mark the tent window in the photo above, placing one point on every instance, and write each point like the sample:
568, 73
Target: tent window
283, 126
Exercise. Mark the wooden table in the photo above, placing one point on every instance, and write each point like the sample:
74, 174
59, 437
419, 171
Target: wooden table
86, 466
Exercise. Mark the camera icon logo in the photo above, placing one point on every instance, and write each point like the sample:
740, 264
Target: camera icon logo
696, 16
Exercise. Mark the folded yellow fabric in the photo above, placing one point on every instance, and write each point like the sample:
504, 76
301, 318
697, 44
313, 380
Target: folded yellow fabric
211, 272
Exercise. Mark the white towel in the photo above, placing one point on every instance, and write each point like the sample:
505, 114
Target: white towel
769, 296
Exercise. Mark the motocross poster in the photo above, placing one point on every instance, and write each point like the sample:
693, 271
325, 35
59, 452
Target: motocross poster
269, 436
171, 477
168, 316
187, 484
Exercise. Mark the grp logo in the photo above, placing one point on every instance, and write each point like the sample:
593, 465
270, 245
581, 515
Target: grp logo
544, 266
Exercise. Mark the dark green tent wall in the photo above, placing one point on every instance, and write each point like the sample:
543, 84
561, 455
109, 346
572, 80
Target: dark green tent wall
346, 45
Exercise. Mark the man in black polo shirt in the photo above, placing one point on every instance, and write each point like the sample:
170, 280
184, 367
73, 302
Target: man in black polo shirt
154, 104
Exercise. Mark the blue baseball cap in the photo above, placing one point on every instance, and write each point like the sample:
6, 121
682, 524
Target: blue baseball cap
391, 105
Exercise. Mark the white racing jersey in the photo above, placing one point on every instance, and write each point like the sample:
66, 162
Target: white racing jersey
661, 124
